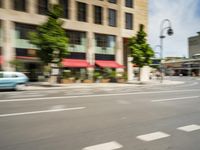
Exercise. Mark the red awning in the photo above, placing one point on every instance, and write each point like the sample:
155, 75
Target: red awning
75, 63
27, 57
108, 64
1, 60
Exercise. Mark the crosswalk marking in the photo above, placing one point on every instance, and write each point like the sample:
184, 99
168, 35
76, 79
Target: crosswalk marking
189, 128
105, 146
152, 136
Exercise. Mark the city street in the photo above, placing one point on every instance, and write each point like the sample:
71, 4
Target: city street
146, 117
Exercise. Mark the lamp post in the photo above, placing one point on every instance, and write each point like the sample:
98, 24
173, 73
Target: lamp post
169, 32
157, 52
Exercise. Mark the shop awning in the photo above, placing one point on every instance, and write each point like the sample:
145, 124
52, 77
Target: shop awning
27, 57
108, 64
1, 60
75, 63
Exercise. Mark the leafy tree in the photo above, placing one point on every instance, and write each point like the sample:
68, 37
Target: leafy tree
50, 38
140, 49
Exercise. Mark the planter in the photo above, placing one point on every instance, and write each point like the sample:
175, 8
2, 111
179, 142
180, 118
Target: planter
105, 80
121, 80
67, 81
87, 81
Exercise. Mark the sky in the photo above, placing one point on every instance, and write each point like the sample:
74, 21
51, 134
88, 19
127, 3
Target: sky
185, 18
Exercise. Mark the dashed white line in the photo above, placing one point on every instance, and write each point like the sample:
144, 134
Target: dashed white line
39, 112
95, 95
189, 128
152, 136
105, 146
177, 98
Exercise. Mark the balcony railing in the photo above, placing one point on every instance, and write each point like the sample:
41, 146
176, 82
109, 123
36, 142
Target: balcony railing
105, 50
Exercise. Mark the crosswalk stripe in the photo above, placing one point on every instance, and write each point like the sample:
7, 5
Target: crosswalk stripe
105, 146
152, 136
189, 128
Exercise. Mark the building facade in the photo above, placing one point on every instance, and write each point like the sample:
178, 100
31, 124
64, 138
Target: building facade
194, 45
97, 29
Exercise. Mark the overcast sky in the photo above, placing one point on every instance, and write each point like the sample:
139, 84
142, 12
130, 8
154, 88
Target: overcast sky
185, 19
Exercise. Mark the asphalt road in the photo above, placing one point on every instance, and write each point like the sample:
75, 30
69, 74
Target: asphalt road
165, 117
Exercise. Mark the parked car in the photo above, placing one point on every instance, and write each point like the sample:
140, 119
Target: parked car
13, 80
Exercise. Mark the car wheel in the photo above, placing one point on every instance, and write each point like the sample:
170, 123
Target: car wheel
20, 87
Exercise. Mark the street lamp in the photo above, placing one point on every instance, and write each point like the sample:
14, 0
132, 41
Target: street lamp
169, 32
157, 52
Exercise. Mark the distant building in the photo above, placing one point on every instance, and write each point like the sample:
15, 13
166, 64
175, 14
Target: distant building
194, 45
97, 29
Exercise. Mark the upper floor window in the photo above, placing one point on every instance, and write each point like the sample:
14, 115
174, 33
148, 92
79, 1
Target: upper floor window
129, 21
76, 37
23, 30
43, 7
81, 11
112, 17
112, 1
65, 6
1, 3
19, 5
103, 40
98, 15
129, 3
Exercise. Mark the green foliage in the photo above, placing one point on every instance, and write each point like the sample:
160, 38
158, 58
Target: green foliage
109, 73
50, 38
19, 65
140, 49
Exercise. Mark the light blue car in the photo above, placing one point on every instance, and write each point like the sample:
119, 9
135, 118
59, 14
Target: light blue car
13, 80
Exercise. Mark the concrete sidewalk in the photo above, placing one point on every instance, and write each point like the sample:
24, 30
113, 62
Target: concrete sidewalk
48, 86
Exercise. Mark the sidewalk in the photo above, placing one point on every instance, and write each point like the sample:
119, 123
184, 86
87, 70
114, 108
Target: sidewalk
48, 86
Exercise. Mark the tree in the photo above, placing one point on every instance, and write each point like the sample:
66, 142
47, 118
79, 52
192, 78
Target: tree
140, 49
50, 38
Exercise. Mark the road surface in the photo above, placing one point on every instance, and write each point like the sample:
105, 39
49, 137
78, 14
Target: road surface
165, 117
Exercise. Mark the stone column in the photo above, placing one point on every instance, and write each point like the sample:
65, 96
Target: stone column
90, 53
32, 6
53, 1
119, 52
72, 10
8, 50
7, 4
130, 69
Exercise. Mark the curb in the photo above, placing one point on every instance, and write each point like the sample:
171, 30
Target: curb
101, 85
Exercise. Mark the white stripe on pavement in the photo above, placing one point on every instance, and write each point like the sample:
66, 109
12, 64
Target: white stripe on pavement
172, 99
97, 95
189, 128
152, 136
39, 112
105, 146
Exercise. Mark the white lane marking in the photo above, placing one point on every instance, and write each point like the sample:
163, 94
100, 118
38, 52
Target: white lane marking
94, 95
173, 99
28, 95
105, 146
39, 112
152, 136
189, 128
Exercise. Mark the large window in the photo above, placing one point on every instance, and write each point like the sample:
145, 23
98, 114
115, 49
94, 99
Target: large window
112, 1
65, 6
81, 11
112, 17
43, 7
23, 30
98, 15
129, 21
129, 3
19, 5
1, 3
103, 40
75, 37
